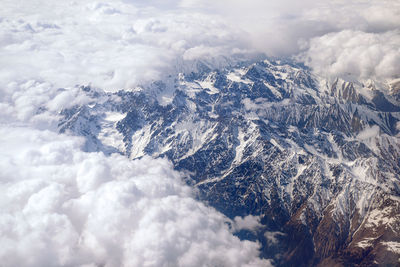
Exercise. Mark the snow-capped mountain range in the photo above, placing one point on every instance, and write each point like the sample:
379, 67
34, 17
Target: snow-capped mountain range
317, 160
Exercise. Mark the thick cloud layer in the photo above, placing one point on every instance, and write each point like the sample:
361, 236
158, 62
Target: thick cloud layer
119, 44
112, 45
62, 207
36, 104
356, 54
355, 38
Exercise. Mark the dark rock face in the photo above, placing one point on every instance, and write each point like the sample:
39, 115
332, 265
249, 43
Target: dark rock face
319, 165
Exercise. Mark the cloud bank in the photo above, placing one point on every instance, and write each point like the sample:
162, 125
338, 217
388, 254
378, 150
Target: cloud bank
119, 44
111, 45
63, 207
335, 38
356, 54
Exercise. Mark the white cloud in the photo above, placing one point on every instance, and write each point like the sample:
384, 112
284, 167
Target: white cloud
37, 104
279, 27
119, 44
60, 206
249, 222
356, 53
272, 237
339, 37
111, 45
368, 133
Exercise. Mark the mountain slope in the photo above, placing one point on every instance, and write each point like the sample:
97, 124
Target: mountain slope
317, 160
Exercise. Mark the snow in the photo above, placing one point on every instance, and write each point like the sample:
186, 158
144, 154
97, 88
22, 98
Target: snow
392, 246
289, 187
361, 170
191, 89
366, 243
275, 143
237, 76
200, 133
112, 138
165, 100
240, 148
140, 140
303, 218
114, 116
273, 90
380, 217
208, 83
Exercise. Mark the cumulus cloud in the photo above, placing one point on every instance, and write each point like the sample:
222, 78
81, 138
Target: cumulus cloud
357, 54
249, 222
335, 38
60, 206
37, 104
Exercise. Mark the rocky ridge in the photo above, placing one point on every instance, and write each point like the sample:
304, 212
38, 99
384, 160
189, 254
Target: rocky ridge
318, 161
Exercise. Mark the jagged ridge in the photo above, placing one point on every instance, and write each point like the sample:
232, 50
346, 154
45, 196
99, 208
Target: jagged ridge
317, 160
